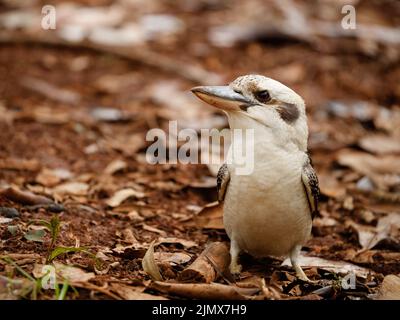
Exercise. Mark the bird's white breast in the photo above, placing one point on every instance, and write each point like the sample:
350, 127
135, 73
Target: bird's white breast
267, 212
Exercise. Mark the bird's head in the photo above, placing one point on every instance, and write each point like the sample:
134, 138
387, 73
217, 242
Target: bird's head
252, 101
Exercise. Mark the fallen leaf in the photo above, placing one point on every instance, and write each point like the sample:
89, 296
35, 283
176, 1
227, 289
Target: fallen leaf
388, 228
122, 195
153, 229
210, 217
22, 258
53, 92
133, 251
115, 166
52, 177
4, 220
330, 186
377, 257
19, 164
210, 264
70, 273
129, 144
366, 164
173, 258
171, 240
129, 237
390, 288
149, 264
72, 188
380, 144
24, 197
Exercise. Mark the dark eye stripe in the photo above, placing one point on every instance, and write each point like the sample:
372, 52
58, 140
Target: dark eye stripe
288, 112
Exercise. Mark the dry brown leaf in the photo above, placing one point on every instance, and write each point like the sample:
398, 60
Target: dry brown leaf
129, 145
376, 256
115, 166
202, 291
132, 251
388, 228
368, 164
210, 217
330, 186
20, 164
173, 258
154, 229
129, 237
122, 195
390, 288
22, 258
149, 264
172, 240
380, 144
4, 220
51, 177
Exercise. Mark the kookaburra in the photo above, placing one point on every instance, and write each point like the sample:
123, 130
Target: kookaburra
268, 212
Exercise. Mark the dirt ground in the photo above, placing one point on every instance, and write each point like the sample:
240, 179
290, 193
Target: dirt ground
81, 146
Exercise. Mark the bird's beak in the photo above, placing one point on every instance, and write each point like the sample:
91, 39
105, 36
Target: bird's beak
222, 97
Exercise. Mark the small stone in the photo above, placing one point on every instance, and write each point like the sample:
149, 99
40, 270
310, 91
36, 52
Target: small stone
9, 212
56, 208
107, 114
365, 184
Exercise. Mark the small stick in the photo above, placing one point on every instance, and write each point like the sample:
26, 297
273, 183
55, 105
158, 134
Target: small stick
24, 197
213, 261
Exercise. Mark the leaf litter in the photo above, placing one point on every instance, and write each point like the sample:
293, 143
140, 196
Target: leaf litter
158, 222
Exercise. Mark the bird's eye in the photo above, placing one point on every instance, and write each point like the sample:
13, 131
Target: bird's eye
237, 91
263, 96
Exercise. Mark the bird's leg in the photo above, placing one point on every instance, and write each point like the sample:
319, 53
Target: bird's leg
294, 254
235, 267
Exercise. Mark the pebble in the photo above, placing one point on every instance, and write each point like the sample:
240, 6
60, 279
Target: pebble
9, 212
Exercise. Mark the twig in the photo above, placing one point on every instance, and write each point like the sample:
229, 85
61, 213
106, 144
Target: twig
24, 197
141, 55
49, 90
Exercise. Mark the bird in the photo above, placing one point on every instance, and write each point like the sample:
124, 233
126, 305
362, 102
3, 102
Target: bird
269, 211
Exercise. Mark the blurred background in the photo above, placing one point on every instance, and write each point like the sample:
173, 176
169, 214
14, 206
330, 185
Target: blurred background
77, 100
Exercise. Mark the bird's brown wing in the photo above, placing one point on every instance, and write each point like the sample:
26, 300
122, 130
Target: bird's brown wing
311, 186
223, 178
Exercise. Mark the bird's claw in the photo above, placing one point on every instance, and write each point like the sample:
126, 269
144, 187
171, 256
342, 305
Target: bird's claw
303, 277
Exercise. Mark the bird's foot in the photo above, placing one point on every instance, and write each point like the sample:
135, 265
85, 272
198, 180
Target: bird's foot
302, 276
235, 268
